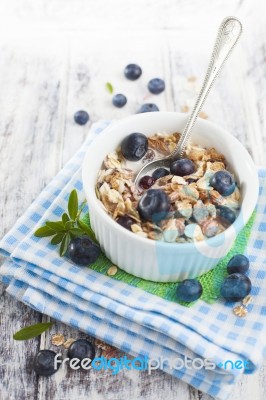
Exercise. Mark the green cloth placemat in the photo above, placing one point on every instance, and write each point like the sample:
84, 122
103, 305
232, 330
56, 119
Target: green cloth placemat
211, 281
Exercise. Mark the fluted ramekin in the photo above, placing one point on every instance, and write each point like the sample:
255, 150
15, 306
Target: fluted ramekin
155, 260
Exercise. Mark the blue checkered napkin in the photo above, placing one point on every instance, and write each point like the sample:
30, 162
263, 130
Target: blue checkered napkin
127, 317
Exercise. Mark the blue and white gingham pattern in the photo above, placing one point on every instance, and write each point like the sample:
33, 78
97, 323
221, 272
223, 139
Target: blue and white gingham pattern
127, 317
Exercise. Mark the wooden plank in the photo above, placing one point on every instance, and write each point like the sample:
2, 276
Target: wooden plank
29, 159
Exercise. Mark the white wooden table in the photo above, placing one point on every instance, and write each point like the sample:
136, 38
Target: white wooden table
55, 59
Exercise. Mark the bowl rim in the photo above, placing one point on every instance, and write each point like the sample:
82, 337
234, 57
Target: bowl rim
230, 231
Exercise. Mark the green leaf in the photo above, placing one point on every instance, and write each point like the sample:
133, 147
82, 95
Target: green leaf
44, 231
57, 226
86, 229
57, 238
73, 204
32, 331
65, 218
69, 225
64, 244
109, 87
77, 232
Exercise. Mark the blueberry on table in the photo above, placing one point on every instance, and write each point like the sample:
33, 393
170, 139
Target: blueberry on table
119, 100
43, 363
83, 251
159, 173
132, 72
81, 349
154, 205
81, 117
223, 182
189, 290
238, 263
134, 146
125, 221
156, 86
226, 214
148, 107
146, 182
182, 167
235, 287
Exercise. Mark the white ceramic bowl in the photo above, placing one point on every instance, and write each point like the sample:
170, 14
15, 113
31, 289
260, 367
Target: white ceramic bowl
161, 261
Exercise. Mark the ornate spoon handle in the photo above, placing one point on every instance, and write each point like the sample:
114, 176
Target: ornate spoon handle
228, 35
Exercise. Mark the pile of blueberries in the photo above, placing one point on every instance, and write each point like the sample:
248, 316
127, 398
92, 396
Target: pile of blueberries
131, 72
44, 361
235, 287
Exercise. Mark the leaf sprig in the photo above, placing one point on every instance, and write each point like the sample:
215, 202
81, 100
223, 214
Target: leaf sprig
69, 227
29, 332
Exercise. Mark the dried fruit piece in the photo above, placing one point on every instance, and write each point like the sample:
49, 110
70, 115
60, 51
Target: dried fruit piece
200, 212
68, 342
212, 154
196, 153
210, 228
240, 311
194, 231
57, 339
153, 231
184, 208
107, 350
172, 229
149, 156
215, 166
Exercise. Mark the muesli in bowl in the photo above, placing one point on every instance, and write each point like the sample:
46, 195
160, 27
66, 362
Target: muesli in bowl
158, 260
195, 199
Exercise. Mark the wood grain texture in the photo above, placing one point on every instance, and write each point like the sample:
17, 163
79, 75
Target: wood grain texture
58, 61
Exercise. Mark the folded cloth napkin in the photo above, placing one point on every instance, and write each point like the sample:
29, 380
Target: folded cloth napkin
127, 317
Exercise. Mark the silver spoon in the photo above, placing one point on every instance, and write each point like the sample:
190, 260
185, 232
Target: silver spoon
228, 35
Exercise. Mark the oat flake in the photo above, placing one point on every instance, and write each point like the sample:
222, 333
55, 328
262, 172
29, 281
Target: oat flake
112, 270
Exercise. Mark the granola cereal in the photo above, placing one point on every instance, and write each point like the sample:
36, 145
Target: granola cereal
198, 205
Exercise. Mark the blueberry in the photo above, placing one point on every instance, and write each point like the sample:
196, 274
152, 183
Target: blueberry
81, 349
148, 107
223, 182
156, 86
146, 182
43, 363
81, 117
159, 173
226, 214
119, 100
132, 71
238, 263
125, 221
235, 287
189, 290
134, 146
182, 167
83, 251
154, 205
